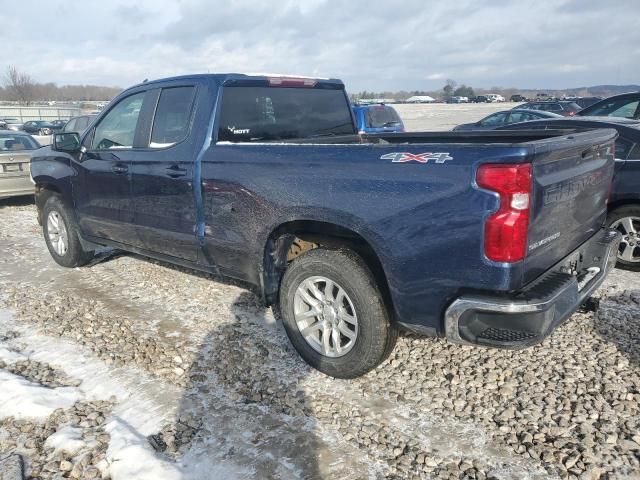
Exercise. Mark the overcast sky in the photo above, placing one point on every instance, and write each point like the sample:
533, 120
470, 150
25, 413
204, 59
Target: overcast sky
373, 45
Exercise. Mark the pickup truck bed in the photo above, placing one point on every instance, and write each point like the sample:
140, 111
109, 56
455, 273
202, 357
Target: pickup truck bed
454, 234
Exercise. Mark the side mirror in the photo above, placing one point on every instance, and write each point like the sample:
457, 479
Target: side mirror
66, 142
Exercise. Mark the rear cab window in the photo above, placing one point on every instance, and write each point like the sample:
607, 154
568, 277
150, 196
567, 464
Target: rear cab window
14, 143
256, 114
381, 116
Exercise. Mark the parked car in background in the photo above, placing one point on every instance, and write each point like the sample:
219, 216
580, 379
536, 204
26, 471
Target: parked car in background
457, 100
377, 118
39, 127
15, 153
506, 117
585, 102
495, 98
565, 109
626, 105
518, 98
78, 124
12, 123
58, 125
481, 99
353, 236
624, 202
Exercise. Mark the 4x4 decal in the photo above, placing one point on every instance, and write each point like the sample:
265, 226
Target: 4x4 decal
403, 157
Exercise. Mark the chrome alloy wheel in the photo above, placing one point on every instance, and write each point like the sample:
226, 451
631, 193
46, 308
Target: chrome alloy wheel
57, 232
325, 316
629, 227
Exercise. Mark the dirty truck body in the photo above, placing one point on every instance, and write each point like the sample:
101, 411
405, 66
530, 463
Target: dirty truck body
491, 238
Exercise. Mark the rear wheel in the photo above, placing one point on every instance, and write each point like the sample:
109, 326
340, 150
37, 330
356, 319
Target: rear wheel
61, 235
627, 221
334, 314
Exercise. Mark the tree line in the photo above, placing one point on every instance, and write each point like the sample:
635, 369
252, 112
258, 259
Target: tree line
20, 87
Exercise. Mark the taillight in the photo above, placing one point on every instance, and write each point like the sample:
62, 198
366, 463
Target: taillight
506, 231
571, 113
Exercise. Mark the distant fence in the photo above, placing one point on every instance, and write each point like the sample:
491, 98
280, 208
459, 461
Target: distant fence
24, 114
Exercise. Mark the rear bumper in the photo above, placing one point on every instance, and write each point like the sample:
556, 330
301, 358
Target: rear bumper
525, 318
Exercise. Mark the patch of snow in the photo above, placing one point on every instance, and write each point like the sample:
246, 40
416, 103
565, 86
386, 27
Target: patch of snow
23, 399
143, 405
10, 356
67, 440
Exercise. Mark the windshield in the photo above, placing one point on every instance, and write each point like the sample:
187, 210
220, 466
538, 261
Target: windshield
13, 143
381, 116
253, 114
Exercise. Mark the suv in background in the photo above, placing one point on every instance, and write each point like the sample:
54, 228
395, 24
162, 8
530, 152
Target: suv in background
518, 98
78, 124
377, 118
564, 108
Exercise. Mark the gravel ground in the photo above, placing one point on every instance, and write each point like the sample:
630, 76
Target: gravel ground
569, 408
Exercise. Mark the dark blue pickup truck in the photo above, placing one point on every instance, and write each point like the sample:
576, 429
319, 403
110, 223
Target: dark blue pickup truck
490, 238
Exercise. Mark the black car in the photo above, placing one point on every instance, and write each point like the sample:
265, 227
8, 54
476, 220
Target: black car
78, 124
585, 102
564, 108
624, 203
626, 105
38, 127
481, 99
506, 117
58, 125
518, 98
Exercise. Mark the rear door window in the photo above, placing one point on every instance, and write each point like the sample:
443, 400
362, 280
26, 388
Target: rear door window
172, 118
380, 116
255, 114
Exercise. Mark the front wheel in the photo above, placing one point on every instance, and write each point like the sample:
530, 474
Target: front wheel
627, 221
61, 235
334, 314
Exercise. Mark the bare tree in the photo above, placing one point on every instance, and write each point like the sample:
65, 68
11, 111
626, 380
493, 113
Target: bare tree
19, 85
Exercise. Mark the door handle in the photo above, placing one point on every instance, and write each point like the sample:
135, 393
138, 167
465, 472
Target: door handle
174, 171
119, 169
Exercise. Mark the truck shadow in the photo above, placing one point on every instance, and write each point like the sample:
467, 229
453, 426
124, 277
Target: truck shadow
21, 201
617, 320
243, 405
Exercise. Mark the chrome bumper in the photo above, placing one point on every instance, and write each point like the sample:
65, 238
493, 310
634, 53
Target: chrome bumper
527, 317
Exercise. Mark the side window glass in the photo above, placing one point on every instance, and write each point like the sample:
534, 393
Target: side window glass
118, 128
69, 127
81, 124
495, 119
171, 122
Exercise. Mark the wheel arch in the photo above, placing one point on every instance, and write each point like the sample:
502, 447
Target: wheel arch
303, 235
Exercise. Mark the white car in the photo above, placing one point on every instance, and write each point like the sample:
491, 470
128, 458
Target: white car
15, 153
494, 97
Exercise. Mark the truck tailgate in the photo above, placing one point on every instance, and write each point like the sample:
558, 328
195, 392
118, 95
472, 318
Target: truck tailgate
571, 181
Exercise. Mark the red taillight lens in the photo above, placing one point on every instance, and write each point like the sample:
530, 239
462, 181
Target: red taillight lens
506, 231
571, 114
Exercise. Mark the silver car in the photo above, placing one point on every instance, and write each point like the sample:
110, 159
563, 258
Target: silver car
15, 152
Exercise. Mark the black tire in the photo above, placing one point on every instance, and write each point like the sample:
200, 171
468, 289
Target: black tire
376, 335
616, 215
75, 255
